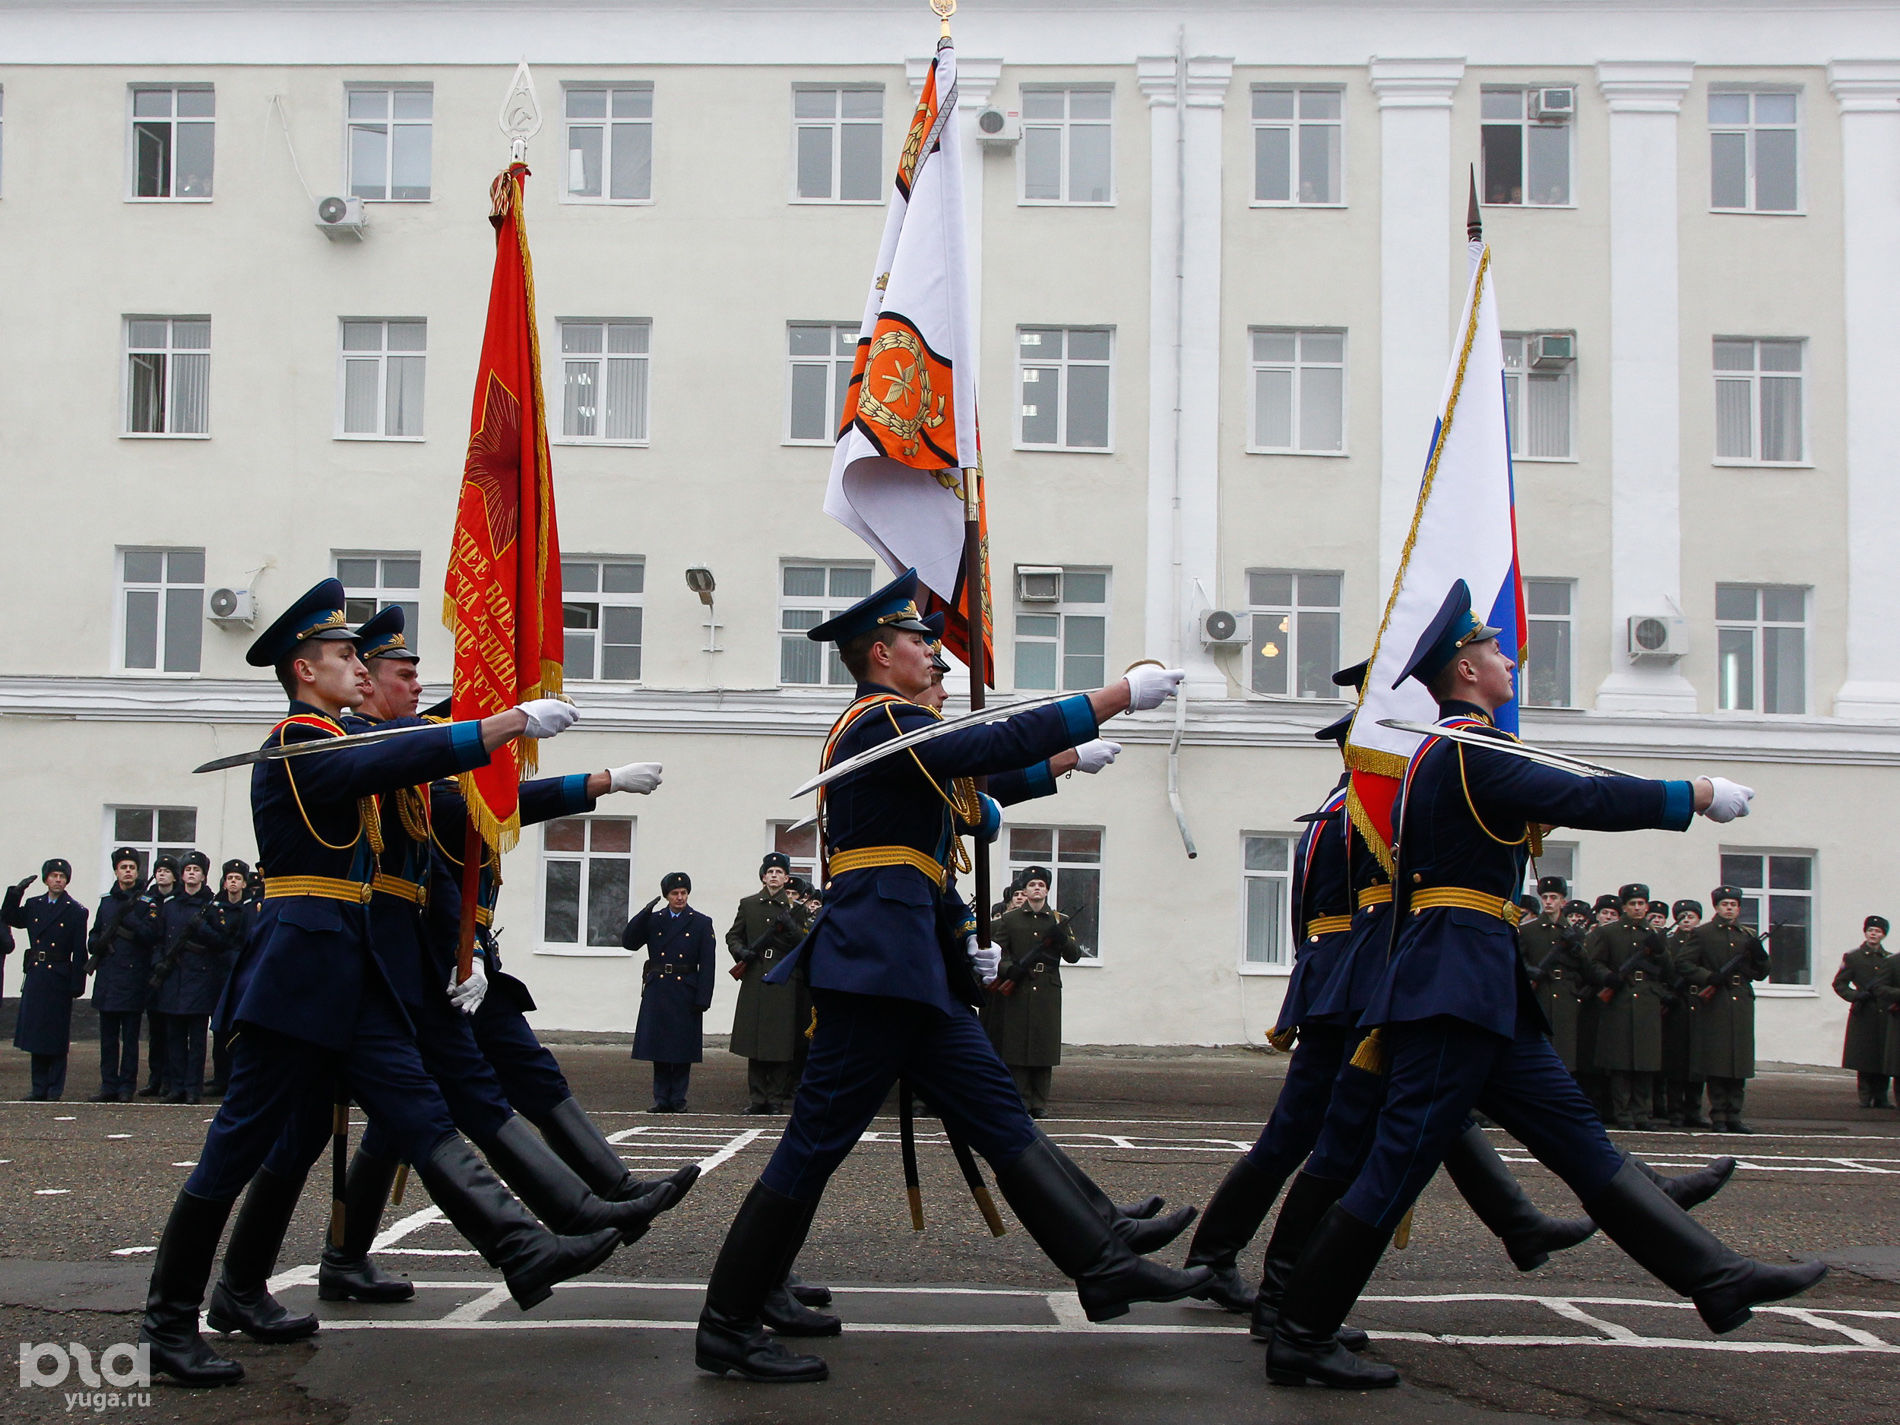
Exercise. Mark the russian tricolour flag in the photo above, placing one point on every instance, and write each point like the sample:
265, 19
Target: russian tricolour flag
1464, 527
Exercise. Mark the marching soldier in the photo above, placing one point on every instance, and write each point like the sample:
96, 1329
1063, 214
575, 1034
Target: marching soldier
1034, 940
1553, 957
52, 974
676, 987
1629, 965
188, 975
1863, 970
120, 966
1681, 1091
148, 927
770, 1017
1722, 963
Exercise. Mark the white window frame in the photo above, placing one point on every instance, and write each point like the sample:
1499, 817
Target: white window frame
1758, 658
1063, 610
163, 588
834, 674
1294, 125
580, 949
1298, 366
836, 382
1525, 124
171, 351
172, 120
1749, 130
836, 124
1092, 958
1061, 365
1518, 379
390, 123
608, 125
381, 357
1065, 125
1530, 642
1547, 865
382, 593
605, 599
1288, 939
1770, 988
792, 845
1292, 611
1753, 378
642, 359
150, 848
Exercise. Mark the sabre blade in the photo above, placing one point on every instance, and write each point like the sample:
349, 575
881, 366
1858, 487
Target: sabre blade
1562, 761
277, 752
925, 734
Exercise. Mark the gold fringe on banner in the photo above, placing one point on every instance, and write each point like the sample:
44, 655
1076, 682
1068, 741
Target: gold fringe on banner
1282, 1039
1370, 1055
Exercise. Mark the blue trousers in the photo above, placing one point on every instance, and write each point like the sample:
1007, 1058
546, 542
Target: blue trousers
156, 1055
185, 1053
863, 1043
48, 1075
1438, 1071
1352, 1114
118, 1051
669, 1084
528, 1073
1294, 1125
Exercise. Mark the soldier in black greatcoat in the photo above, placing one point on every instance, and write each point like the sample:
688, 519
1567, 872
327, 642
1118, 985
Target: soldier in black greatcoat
1553, 958
119, 965
771, 1018
1722, 962
676, 987
237, 909
1629, 964
1858, 981
53, 974
188, 975
148, 928
1682, 1090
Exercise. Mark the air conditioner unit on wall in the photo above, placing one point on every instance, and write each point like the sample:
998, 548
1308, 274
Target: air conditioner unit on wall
341, 217
998, 128
1038, 584
1219, 628
1658, 636
230, 607
1552, 351
1553, 105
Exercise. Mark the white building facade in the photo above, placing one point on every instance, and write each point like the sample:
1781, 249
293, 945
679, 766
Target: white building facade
1219, 253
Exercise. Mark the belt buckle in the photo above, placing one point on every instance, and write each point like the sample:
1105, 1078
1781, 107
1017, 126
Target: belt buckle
1638, 975
1556, 974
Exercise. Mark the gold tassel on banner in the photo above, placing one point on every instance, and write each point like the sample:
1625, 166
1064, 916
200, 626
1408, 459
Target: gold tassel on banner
1402, 1234
1282, 1039
1370, 1055
396, 1188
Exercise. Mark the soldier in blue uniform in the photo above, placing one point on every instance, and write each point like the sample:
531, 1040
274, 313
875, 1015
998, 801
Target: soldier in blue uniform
236, 909
882, 969
119, 965
676, 987
188, 974
53, 974
311, 1009
1461, 1028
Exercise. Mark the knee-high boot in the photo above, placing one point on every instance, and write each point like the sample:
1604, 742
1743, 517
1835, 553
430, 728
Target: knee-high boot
1137, 1224
1497, 1197
1228, 1223
346, 1272
1306, 1203
555, 1193
1689, 1190
1332, 1272
758, 1252
584, 1148
241, 1301
179, 1273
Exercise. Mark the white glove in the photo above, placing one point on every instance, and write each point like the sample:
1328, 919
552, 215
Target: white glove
549, 717
1091, 757
469, 994
1150, 687
1731, 800
983, 961
638, 777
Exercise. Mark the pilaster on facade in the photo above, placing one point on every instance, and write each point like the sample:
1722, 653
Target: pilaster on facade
1185, 100
1416, 237
1645, 102
1868, 92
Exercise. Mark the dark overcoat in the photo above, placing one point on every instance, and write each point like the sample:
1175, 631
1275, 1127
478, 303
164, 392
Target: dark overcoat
1727, 959
1554, 960
1027, 1032
192, 967
1858, 981
1630, 1024
121, 958
52, 970
769, 1017
676, 983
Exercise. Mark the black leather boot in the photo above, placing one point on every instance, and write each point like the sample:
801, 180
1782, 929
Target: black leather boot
1690, 1190
555, 1193
1306, 1203
810, 1293
787, 1316
584, 1148
1689, 1259
241, 1301
1230, 1221
529, 1257
179, 1273
758, 1252
1498, 1199
1140, 1228
346, 1272
1327, 1280
1073, 1234
1146, 1208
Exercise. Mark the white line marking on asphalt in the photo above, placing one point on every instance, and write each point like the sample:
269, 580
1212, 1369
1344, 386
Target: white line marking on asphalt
118, 1135
1814, 1318
648, 1135
50, 1192
1067, 1310
188, 1163
68, 1118
403, 1226
1570, 1311
131, 1251
470, 1312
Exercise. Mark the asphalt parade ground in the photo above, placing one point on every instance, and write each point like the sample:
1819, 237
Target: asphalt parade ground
951, 1324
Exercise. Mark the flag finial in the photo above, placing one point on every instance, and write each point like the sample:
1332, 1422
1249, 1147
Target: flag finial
1474, 225
520, 117
944, 9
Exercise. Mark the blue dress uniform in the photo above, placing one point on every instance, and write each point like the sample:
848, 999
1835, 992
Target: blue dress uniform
676, 989
188, 979
1461, 1028
53, 975
121, 964
147, 920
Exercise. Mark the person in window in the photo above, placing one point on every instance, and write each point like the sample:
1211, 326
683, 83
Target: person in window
52, 974
767, 1023
119, 965
1682, 1091
1035, 940
676, 987
1721, 964
1858, 981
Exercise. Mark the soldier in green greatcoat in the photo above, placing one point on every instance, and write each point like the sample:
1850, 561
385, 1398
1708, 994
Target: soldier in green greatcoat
1629, 965
768, 1023
1682, 1090
1863, 971
1034, 940
1722, 962
1553, 958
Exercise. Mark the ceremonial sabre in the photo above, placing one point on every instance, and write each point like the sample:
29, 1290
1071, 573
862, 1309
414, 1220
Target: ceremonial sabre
926, 734
1563, 762
277, 751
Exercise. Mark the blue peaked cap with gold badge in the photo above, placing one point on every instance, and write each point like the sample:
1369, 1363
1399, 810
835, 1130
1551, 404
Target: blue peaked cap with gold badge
382, 637
893, 606
317, 615
1453, 627
934, 625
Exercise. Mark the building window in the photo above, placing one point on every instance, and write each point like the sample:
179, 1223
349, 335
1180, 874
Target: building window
167, 375
609, 143
604, 382
1781, 884
1266, 876
1064, 374
388, 140
1073, 855
601, 606
1559, 858
172, 140
800, 847
162, 605
1296, 145
821, 355
808, 595
1537, 393
1299, 391
1068, 146
1061, 628
586, 869
840, 144
372, 582
1526, 145
1548, 673
1761, 644
1758, 405
379, 378
1294, 632
153, 832
1754, 148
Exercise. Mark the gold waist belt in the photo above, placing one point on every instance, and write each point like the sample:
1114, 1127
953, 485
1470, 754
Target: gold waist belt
484, 917
1327, 925
329, 888
866, 857
1459, 898
1381, 894
403, 890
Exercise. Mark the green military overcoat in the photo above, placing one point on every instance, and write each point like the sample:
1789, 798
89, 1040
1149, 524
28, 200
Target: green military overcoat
1863, 971
1026, 1024
1722, 1027
1553, 956
770, 1019
1629, 1026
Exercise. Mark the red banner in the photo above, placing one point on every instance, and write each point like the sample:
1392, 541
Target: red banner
502, 602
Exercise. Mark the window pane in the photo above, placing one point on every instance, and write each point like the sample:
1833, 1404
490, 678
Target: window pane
152, 156
191, 393
178, 824
814, 162
1088, 345
1784, 673
1546, 423
132, 824
560, 920
369, 103
1078, 895
141, 628
1320, 103
1728, 108
185, 566
1547, 596
1774, 108
815, 103
145, 398
861, 104
1266, 908
1032, 843
633, 161
404, 413
1319, 163
1088, 407
1042, 163
860, 157
587, 103
1318, 654
1320, 590
414, 103
1784, 605
1735, 660
1084, 652
409, 168
1322, 346
1322, 408
1270, 586
1266, 853
1271, 660
369, 148
1089, 163
1273, 103
1039, 404
626, 399
1549, 659
1550, 163
1728, 170
1035, 665
1789, 938
1273, 409
1078, 843
1732, 421
567, 834
799, 660
627, 338
1090, 103
196, 336
850, 581
1501, 104
1777, 355
804, 581
1082, 587
184, 629
623, 578
1780, 418
144, 566
194, 160
606, 900
1736, 601
1274, 346
811, 405
1043, 103
1272, 165
1503, 162
578, 398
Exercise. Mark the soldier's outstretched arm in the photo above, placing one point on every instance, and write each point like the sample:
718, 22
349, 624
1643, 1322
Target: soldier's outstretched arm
1516, 787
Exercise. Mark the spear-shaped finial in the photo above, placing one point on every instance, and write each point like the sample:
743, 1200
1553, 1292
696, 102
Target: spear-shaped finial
1474, 225
520, 117
944, 9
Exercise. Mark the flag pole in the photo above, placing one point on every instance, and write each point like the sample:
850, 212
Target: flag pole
977, 598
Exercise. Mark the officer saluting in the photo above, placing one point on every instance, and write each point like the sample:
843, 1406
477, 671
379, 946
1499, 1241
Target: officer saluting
1553, 957
676, 987
53, 974
770, 1018
1858, 981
